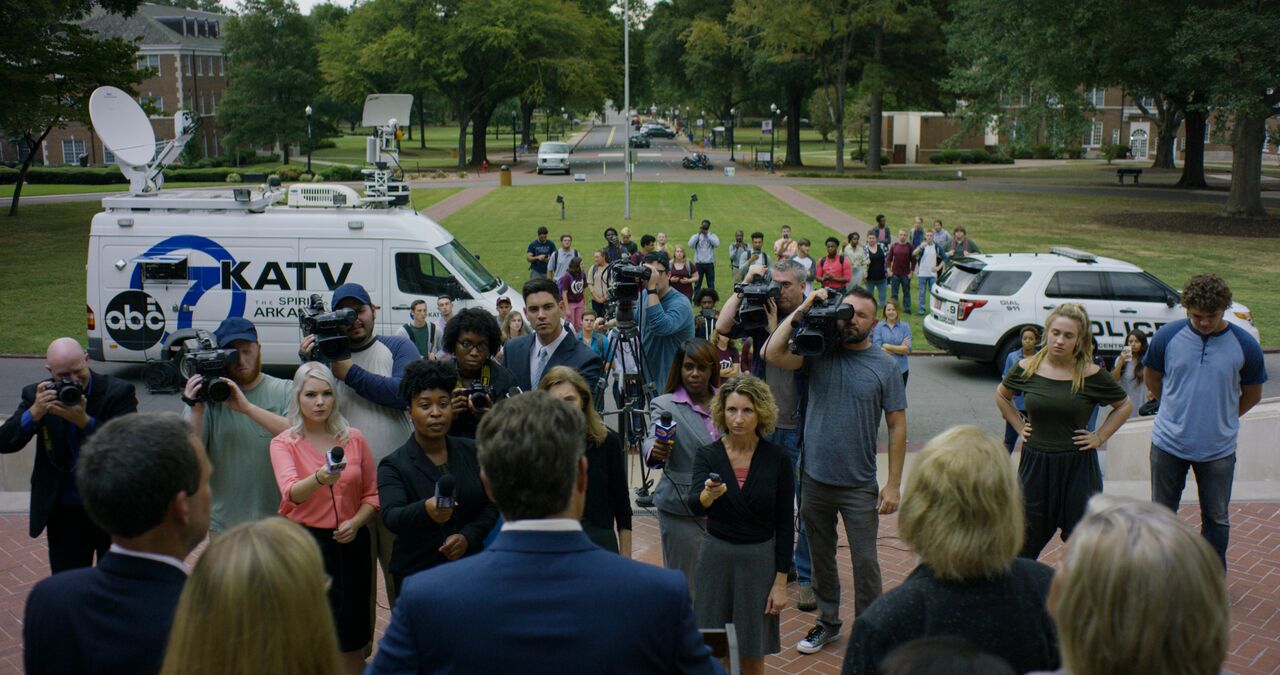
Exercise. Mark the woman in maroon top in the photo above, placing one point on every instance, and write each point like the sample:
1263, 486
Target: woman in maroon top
683, 273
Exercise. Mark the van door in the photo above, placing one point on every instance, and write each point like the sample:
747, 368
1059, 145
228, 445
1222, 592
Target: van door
1088, 288
421, 275
1143, 302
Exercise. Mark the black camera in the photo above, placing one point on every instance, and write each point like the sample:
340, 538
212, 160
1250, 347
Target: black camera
625, 282
68, 390
201, 356
752, 314
330, 329
481, 395
819, 331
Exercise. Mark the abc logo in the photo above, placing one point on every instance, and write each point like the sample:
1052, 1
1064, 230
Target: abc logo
135, 320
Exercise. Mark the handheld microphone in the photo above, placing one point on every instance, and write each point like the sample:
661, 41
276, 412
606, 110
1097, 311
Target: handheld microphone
715, 477
663, 430
335, 460
444, 491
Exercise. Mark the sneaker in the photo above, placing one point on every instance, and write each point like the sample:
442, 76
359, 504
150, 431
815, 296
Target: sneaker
817, 638
807, 601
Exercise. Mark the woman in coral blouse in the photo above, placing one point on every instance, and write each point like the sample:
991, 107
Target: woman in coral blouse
332, 501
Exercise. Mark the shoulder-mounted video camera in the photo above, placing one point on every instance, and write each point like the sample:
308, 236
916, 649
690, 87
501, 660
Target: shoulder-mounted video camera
201, 356
819, 329
330, 329
752, 312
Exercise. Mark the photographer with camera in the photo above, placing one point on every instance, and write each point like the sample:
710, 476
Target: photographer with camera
666, 320
368, 368
472, 337
850, 386
61, 413
236, 430
752, 313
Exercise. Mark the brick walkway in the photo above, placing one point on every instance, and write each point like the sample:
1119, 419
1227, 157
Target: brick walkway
818, 210
1254, 587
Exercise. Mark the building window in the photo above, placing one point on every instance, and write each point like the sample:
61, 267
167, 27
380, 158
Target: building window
1094, 138
199, 65
1206, 132
222, 65
213, 104
1097, 96
1148, 102
1115, 136
151, 61
108, 157
155, 102
201, 105
71, 150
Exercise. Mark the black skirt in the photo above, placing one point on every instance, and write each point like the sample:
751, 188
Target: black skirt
350, 566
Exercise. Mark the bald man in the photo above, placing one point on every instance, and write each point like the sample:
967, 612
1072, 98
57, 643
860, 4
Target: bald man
61, 420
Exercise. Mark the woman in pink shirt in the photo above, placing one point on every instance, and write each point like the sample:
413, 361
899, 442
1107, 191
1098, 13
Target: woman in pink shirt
332, 501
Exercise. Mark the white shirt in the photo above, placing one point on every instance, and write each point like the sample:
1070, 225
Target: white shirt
535, 361
154, 557
928, 260
541, 525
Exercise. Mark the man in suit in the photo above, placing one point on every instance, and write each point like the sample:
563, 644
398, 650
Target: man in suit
550, 345
60, 429
145, 480
543, 598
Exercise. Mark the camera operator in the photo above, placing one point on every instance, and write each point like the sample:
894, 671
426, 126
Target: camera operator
789, 278
237, 432
369, 391
666, 320
62, 413
472, 337
850, 385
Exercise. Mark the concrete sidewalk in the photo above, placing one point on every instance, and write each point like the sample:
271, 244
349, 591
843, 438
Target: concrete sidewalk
818, 210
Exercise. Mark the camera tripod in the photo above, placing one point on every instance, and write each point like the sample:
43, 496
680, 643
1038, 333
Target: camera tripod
632, 395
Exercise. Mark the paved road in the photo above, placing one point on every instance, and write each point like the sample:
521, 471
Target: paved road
943, 391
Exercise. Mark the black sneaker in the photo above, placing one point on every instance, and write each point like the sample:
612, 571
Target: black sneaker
817, 638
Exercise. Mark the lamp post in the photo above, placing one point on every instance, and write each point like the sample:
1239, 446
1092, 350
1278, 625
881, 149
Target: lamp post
702, 122
560, 201
626, 106
547, 114
564, 128
308, 139
514, 131
732, 114
773, 135
693, 198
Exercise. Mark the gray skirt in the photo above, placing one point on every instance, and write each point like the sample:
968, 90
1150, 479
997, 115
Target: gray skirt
733, 586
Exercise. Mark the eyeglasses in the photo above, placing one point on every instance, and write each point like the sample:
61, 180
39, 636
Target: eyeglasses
469, 346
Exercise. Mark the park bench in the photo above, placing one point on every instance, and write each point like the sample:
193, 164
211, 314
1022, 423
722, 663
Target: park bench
1121, 173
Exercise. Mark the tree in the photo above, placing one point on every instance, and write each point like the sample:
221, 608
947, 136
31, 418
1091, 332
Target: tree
272, 75
52, 65
202, 5
822, 113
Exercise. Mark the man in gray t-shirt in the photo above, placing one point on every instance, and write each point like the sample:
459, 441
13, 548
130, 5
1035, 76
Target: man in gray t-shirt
850, 387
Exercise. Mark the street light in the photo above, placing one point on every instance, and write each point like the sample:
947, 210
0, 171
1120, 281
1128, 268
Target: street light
308, 139
560, 201
565, 128
514, 159
702, 122
773, 135
732, 113
693, 198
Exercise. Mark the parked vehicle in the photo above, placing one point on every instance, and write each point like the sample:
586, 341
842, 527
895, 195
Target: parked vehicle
639, 141
554, 157
697, 160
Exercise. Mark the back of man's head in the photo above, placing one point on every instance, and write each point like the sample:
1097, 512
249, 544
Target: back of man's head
529, 448
131, 469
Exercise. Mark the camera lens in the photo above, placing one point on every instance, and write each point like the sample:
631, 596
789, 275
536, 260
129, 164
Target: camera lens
69, 394
217, 390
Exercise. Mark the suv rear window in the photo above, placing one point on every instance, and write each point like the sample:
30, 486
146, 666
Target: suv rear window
985, 282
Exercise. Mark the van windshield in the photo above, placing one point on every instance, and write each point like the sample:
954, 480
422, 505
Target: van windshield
554, 148
468, 267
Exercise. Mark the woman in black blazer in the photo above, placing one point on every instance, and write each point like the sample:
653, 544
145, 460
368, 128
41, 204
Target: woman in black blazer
426, 534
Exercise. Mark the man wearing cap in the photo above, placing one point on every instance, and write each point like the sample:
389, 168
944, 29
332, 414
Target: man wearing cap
666, 321
504, 308
60, 429
237, 433
369, 393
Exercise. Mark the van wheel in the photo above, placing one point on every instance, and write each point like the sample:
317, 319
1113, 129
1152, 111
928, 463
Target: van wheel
539, 172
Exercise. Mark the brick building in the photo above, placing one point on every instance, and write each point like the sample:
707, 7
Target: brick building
913, 137
184, 48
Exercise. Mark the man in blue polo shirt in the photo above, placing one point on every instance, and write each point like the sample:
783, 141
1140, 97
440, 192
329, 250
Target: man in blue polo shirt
1207, 374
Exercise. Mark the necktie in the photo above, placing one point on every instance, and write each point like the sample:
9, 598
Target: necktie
540, 363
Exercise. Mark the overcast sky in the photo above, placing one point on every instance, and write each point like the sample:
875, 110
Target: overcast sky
306, 5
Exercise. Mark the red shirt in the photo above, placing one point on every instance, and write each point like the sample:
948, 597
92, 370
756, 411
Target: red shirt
900, 260
840, 268
294, 458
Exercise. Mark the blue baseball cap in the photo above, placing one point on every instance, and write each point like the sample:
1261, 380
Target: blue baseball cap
235, 328
350, 290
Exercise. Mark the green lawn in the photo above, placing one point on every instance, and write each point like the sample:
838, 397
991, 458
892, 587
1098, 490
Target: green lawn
421, 198
30, 190
440, 141
500, 226
1009, 222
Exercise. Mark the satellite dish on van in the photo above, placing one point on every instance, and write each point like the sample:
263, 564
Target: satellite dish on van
123, 125
381, 109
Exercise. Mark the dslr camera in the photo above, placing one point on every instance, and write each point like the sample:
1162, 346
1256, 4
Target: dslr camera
482, 395
819, 331
625, 283
68, 390
201, 356
330, 329
752, 315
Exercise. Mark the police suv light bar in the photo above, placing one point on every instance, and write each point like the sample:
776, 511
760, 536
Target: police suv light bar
1074, 254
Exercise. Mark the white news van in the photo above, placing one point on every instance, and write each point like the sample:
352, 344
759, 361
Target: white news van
163, 264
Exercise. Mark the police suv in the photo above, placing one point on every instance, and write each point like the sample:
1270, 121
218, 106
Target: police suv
981, 302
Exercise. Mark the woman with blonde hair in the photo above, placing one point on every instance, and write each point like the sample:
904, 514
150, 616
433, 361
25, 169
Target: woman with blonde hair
606, 514
513, 325
255, 603
745, 486
1061, 386
1139, 592
961, 515
334, 499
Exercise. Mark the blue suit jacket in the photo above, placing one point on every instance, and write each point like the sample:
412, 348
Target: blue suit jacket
571, 352
113, 618
544, 602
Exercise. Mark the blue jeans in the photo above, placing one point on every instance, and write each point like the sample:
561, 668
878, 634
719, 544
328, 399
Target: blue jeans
879, 288
790, 439
896, 282
1213, 482
924, 284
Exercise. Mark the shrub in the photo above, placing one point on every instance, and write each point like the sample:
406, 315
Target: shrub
323, 143
288, 174
318, 178
1112, 152
1073, 153
1043, 151
438, 174
70, 175
338, 172
234, 178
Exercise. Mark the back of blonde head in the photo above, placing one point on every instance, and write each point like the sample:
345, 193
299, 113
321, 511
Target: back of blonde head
1139, 592
962, 507
255, 603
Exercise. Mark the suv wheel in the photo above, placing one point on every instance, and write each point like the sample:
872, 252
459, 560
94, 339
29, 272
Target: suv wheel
1010, 345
